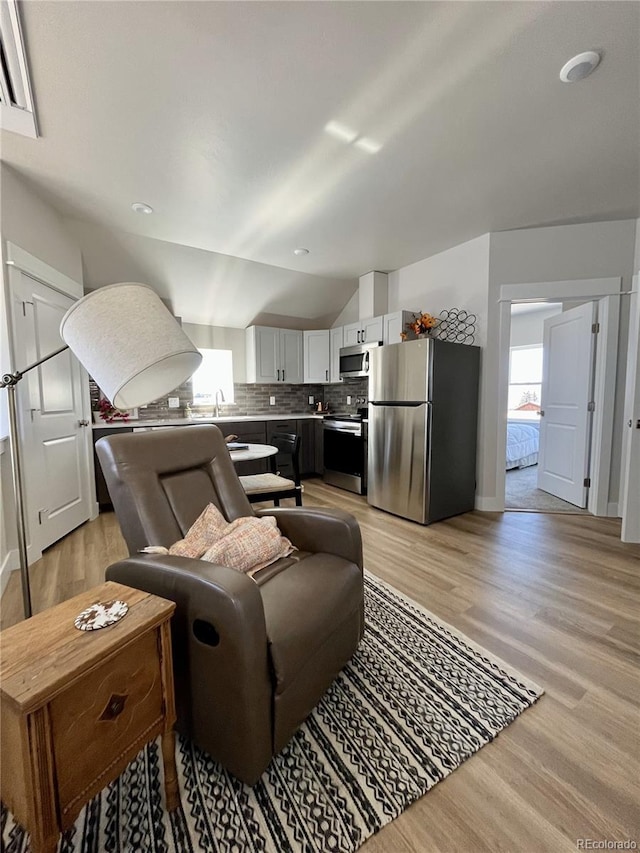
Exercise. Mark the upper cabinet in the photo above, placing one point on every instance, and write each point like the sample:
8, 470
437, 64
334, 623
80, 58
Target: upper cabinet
372, 330
394, 324
352, 334
274, 355
363, 332
316, 356
336, 342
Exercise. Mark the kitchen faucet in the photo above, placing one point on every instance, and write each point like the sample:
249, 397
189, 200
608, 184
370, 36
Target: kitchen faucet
219, 399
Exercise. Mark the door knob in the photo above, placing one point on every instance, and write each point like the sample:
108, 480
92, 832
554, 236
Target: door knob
83, 423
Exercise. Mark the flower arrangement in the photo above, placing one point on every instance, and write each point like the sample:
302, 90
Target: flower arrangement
109, 413
422, 323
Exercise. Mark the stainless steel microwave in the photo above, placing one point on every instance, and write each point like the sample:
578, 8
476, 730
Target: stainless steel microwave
354, 361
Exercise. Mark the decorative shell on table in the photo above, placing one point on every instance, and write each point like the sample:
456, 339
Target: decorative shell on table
101, 615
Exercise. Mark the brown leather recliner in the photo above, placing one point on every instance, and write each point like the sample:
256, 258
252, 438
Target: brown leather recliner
252, 657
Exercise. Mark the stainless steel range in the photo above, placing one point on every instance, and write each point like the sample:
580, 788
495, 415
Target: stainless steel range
345, 451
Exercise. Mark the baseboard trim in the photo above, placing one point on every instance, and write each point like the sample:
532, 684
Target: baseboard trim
613, 510
489, 504
9, 564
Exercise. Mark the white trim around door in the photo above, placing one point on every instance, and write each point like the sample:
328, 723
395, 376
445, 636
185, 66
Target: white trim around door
607, 292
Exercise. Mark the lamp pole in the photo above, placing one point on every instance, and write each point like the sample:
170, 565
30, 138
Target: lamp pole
10, 382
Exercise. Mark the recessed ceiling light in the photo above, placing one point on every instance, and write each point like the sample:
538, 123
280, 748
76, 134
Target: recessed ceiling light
579, 67
141, 207
341, 132
300, 251
368, 145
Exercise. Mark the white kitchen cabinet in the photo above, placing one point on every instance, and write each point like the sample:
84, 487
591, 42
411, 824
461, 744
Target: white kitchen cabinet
372, 330
395, 323
352, 334
366, 331
291, 356
274, 355
316, 355
336, 342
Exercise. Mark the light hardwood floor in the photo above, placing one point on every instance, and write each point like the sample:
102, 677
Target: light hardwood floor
557, 596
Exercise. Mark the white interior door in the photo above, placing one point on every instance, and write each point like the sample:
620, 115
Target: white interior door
567, 382
630, 492
54, 430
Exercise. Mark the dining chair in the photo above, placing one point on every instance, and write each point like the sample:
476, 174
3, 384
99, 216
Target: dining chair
273, 486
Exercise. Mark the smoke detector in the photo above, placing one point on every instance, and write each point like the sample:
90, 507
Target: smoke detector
579, 67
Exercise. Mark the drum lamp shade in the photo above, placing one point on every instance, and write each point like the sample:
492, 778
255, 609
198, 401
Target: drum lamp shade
129, 343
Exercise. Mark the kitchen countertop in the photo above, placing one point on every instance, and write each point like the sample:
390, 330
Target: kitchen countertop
159, 422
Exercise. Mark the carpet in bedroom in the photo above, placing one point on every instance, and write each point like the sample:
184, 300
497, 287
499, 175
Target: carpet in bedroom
521, 492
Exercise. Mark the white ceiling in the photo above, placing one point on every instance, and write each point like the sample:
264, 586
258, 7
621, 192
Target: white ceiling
214, 114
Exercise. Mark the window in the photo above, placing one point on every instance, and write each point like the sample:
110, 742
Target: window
215, 373
525, 383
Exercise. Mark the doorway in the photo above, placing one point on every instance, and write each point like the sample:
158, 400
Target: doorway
523, 409
53, 405
561, 294
535, 480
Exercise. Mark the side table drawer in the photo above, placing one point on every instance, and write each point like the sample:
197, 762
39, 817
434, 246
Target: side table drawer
101, 721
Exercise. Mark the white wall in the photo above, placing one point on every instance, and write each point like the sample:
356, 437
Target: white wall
636, 260
218, 337
560, 253
455, 278
527, 329
350, 313
35, 226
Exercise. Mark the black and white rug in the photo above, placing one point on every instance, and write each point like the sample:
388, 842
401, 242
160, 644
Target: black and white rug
416, 701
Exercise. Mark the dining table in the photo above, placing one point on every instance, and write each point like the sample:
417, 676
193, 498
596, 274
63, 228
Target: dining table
249, 452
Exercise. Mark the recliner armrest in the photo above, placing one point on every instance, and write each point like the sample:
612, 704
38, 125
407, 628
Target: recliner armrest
220, 655
331, 531
206, 590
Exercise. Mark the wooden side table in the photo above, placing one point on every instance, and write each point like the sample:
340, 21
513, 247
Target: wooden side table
76, 707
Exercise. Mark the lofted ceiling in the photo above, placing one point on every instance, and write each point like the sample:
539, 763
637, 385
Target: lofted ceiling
214, 113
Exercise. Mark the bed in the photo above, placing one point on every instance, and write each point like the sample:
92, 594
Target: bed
522, 444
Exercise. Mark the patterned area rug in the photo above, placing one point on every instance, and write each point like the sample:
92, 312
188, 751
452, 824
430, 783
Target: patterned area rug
416, 701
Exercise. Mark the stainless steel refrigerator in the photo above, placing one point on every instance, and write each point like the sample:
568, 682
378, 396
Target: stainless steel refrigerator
423, 414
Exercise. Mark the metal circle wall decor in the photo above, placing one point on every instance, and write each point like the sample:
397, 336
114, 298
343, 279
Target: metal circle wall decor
457, 326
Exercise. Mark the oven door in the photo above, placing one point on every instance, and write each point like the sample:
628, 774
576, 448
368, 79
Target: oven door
344, 459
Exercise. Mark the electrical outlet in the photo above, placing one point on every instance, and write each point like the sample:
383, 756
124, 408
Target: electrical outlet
272, 401
348, 399
174, 402
312, 399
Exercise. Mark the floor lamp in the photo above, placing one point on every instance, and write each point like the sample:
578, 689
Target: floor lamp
132, 347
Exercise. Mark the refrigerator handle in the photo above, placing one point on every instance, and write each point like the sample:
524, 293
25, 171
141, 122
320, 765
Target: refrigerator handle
411, 404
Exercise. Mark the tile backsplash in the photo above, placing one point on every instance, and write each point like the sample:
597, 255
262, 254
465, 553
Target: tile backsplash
253, 399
